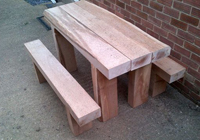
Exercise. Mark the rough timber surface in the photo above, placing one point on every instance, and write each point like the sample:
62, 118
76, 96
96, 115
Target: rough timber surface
87, 25
65, 86
168, 69
103, 56
124, 36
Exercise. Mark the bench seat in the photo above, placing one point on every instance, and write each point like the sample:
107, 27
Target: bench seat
81, 108
164, 71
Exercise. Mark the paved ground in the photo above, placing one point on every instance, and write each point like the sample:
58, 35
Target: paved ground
32, 111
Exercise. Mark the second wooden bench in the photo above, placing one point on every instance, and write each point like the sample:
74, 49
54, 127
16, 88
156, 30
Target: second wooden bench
81, 108
164, 71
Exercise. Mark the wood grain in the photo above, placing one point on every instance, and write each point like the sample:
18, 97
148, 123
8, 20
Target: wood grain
168, 69
139, 86
139, 37
105, 94
102, 55
39, 75
74, 126
81, 106
163, 71
66, 52
157, 85
117, 39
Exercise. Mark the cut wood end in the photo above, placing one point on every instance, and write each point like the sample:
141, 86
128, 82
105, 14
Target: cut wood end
141, 61
161, 53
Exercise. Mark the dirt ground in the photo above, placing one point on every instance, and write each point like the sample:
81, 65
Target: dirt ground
32, 111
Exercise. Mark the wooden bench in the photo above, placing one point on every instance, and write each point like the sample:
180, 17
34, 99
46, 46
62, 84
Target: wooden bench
164, 71
81, 108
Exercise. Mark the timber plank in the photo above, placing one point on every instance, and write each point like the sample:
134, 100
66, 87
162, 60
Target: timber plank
65, 86
140, 56
103, 56
168, 69
105, 94
142, 39
139, 86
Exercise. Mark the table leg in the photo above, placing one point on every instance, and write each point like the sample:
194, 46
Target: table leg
76, 129
157, 85
65, 51
40, 77
139, 85
105, 94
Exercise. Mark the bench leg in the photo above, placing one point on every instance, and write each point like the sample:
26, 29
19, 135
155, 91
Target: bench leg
40, 77
105, 94
76, 129
65, 51
139, 85
157, 85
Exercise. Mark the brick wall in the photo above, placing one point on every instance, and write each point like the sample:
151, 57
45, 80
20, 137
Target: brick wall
174, 22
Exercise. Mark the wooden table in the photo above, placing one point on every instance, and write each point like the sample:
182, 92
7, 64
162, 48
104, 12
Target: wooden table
112, 45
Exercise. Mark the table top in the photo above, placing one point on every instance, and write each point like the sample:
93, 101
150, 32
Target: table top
113, 45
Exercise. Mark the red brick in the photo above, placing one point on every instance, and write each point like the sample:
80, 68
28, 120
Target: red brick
135, 18
181, 50
107, 3
111, 10
119, 14
189, 62
171, 12
181, 87
112, 1
167, 41
196, 12
96, 2
186, 36
163, 17
120, 4
166, 2
156, 6
103, 6
182, 7
195, 95
154, 21
178, 61
175, 39
117, 8
195, 3
155, 35
175, 54
197, 42
196, 58
140, 26
125, 13
127, 1
131, 9
136, 5
197, 83
179, 24
145, 2
147, 24
160, 31
192, 48
169, 28
194, 73
190, 86
129, 20
189, 19
194, 31
142, 15
149, 10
